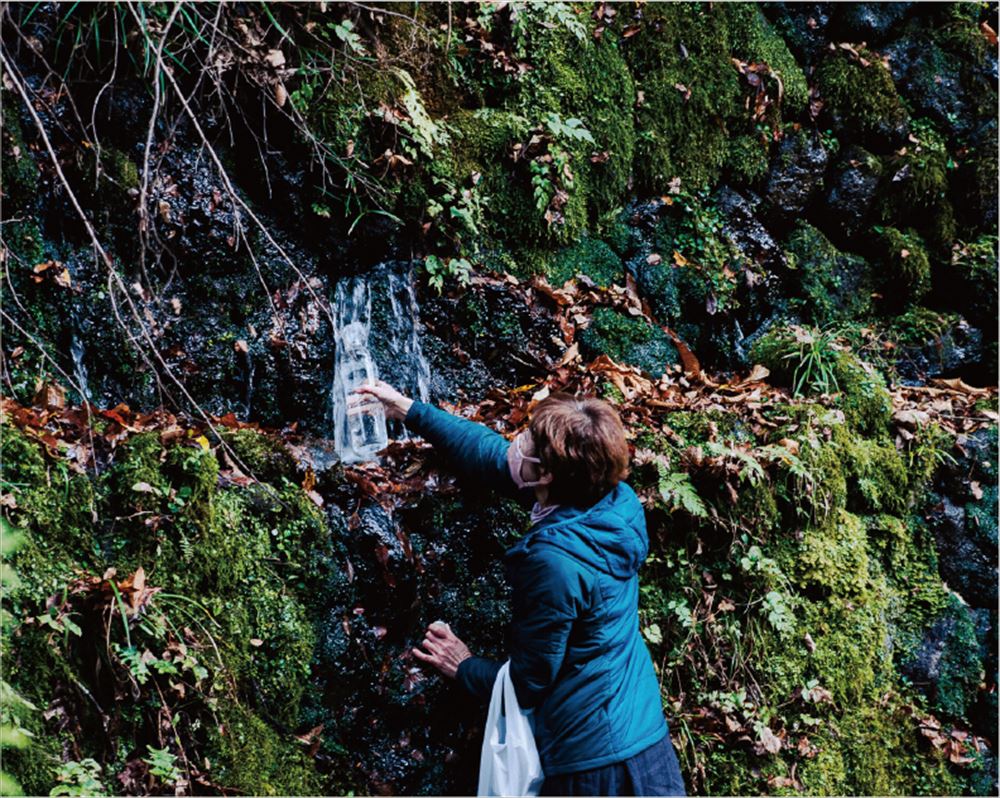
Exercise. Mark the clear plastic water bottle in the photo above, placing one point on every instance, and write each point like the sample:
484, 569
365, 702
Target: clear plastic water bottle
365, 415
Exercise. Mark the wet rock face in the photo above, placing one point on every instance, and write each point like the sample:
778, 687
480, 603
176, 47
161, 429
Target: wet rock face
853, 182
870, 22
946, 665
796, 173
804, 26
488, 335
932, 79
963, 518
409, 731
956, 349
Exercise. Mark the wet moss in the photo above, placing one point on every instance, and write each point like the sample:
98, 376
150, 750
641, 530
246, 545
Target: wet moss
682, 45
862, 97
905, 266
588, 80
266, 458
629, 339
753, 39
748, 158
836, 286
249, 756
864, 397
591, 257
19, 173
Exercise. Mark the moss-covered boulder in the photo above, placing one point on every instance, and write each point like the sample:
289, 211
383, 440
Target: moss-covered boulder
590, 257
835, 286
688, 90
629, 339
861, 99
904, 273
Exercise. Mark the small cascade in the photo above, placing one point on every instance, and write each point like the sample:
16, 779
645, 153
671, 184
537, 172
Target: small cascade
377, 335
80, 375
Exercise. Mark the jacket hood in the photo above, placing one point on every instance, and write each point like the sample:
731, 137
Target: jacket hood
610, 535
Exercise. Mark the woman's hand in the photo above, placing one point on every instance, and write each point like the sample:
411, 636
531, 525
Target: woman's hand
396, 405
446, 651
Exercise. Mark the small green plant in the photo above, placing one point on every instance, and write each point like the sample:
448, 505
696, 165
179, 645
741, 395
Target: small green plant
162, 764
678, 493
438, 270
79, 778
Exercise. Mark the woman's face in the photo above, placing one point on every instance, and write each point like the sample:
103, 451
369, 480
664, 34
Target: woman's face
529, 470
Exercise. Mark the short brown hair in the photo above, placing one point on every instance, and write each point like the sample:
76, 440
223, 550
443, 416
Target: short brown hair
581, 442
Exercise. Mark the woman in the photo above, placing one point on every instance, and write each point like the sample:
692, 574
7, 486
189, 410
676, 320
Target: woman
576, 654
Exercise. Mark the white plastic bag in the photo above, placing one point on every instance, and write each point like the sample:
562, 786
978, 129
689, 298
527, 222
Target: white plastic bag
509, 764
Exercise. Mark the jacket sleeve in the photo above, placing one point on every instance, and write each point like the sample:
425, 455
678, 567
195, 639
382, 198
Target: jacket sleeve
549, 592
477, 675
477, 451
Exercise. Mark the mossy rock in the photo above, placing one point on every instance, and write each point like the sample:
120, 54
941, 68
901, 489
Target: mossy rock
917, 190
905, 269
585, 79
835, 286
754, 39
864, 397
249, 756
862, 99
590, 257
629, 339
20, 173
682, 45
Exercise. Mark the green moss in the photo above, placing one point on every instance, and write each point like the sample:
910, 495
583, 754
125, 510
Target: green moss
753, 39
835, 286
250, 757
864, 397
265, 457
747, 158
905, 266
629, 339
864, 98
834, 557
917, 194
588, 80
19, 173
682, 45
591, 257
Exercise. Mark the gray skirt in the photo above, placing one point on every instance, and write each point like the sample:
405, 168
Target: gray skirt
654, 771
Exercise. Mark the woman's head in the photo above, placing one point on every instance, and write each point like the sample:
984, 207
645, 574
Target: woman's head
581, 444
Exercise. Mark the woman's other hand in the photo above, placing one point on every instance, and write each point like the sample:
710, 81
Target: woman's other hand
396, 405
442, 649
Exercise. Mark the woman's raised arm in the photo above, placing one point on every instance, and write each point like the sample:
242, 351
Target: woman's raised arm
476, 451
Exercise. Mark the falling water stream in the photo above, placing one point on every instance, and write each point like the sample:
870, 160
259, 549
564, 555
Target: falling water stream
376, 333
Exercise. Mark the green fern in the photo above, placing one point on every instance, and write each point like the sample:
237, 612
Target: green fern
677, 492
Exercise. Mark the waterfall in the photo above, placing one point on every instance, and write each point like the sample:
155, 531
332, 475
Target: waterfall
76, 350
376, 317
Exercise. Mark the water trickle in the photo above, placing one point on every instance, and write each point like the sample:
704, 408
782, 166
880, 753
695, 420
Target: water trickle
80, 375
376, 332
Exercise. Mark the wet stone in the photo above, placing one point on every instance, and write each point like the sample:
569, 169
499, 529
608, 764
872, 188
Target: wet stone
853, 181
796, 173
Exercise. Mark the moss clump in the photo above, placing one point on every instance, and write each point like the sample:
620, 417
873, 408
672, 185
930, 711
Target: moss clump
19, 174
835, 286
905, 266
864, 397
682, 47
917, 193
249, 756
862, 98
629, 339
753, 39
591, 257
747, 158
266, 458
578, 77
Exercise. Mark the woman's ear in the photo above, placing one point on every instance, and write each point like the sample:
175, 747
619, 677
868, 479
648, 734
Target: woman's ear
545, 478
